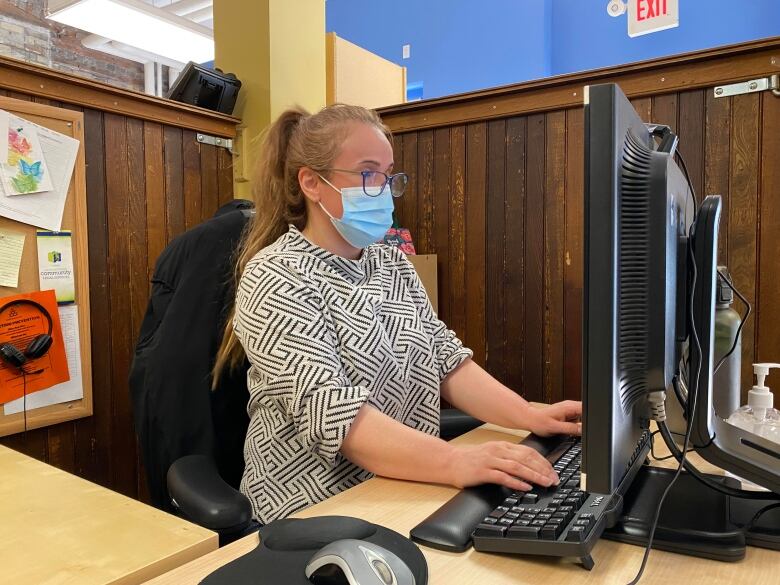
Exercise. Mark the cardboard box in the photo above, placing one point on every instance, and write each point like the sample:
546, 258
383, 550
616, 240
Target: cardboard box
425, 264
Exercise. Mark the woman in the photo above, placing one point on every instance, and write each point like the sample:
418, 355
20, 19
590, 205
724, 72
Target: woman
347, 359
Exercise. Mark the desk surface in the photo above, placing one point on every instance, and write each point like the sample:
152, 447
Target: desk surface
58, 528
401, 505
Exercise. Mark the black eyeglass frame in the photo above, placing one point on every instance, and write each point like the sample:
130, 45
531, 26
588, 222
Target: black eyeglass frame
388, 179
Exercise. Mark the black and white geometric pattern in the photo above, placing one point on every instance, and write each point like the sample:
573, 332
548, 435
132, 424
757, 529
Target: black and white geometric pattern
324, 335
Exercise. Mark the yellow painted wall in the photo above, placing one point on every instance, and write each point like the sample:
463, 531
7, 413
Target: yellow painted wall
277, 49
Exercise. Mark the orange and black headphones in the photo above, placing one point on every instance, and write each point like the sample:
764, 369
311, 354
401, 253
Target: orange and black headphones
37, 347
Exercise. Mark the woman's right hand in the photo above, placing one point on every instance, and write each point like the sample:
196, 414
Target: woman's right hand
500, 462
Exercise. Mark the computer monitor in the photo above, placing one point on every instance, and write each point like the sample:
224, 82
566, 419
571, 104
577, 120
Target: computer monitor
649, 285
207, 88
637, 214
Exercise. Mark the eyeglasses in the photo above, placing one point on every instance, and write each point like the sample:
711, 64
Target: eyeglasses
374, 181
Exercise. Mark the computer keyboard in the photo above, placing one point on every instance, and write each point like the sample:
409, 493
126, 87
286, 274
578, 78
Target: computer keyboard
561, 521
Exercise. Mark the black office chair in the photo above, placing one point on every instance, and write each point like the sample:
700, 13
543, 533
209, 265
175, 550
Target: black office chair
200, 495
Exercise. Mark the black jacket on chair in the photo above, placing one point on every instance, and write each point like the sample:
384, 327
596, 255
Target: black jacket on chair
175, 411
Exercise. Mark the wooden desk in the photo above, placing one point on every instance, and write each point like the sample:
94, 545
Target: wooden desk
401, 505
58, 528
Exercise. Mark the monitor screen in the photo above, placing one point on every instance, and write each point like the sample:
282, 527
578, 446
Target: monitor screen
205, 88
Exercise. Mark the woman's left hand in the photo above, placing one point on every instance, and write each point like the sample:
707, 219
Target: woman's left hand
561, 418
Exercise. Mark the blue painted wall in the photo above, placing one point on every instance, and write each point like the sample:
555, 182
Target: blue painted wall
456, 45
586, 37
466, 45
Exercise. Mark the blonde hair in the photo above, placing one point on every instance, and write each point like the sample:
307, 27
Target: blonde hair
295, 140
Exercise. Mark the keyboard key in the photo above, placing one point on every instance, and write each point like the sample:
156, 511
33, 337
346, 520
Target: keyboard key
538, 523
589, 517
505, 521
530, 498
517, 509
522, 523
543, 516
512, 515
490, 530
549, 510
531, 532
499, 512
550, 531
489, 520
509, 502
575, 534
528, 516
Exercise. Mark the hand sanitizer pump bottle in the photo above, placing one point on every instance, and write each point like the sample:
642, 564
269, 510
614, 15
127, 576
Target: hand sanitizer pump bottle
758, 416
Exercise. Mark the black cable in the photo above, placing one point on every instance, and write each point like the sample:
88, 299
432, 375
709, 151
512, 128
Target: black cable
683, 400
692, 390
739, 329
652, 446
749, 526
24, 399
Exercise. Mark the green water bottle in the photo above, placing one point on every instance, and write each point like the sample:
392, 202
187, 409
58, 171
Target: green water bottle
726, 382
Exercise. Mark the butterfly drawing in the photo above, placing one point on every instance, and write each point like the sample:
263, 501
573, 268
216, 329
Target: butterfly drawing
17, 142
33, 169
28, 177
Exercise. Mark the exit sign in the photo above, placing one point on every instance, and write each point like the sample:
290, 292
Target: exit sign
646, 16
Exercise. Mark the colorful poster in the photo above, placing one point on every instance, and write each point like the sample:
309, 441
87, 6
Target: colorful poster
23, 167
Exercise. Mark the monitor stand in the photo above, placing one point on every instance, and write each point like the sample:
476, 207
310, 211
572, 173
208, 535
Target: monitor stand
695, 520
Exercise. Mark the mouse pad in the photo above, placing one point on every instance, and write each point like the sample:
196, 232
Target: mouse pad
287, 545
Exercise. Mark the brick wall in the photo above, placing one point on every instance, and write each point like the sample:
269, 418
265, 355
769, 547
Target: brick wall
26, 34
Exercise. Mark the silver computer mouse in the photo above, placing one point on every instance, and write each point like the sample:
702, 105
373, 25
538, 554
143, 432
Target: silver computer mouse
360, 562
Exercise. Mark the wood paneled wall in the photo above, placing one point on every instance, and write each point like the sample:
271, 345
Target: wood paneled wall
499, 199
147, 182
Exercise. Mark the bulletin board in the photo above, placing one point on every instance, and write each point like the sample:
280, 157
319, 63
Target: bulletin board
74, 219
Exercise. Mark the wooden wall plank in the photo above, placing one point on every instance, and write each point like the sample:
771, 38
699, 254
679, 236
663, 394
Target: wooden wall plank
534, 259
554, 234
514, 275
209, 183
476, 162
717, 153
124, 471
768, 305
93, 434
191, 181
573, 273
138, 260
665, 110
425, 202
137, 245
398, 166
442, 195
457, 244
154, 163
174, 184
643, 107
691, 132
225, 176
495, 309
409, 209
743, 215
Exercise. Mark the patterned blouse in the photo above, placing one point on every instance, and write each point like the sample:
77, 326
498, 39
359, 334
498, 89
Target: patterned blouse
324, 335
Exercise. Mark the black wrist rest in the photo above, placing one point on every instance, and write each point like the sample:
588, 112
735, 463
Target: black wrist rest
449, 528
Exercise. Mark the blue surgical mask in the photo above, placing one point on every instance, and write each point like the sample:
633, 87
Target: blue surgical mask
366, 219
